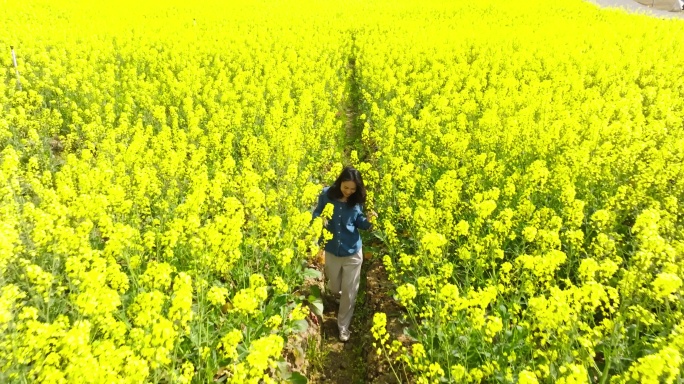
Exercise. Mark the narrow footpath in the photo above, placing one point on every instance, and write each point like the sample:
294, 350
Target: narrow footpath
354, 361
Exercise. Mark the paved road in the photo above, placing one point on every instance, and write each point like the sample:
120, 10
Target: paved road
633, 6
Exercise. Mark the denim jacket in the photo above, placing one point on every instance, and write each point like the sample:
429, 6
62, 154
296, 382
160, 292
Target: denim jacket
344, 225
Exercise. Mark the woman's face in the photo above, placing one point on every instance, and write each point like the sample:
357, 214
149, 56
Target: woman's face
348, 188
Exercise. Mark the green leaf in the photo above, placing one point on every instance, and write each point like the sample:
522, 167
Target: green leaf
300, 326
279, 301
284, 370
316, 306
311, 273
503, 310
411, 333
298, 378
315, 291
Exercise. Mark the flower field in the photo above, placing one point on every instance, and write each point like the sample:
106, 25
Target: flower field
159, 164
530, 184
157, 176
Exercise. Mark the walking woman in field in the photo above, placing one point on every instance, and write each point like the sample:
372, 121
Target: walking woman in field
343, 253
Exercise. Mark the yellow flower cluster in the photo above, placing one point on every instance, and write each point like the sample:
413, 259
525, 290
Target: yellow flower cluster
262, 354
229, 343
379, 331
299, 312
217, 295
248, 300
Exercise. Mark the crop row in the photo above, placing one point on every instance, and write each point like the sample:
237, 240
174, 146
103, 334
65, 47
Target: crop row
530, 189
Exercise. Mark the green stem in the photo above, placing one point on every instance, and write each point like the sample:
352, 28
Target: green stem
606, 369
389, 361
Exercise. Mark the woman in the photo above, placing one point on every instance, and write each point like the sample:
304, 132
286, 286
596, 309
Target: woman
343, 254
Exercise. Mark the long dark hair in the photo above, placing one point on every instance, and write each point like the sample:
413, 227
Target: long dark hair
349, 173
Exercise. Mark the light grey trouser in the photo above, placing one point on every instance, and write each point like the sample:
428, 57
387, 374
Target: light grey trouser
344, 275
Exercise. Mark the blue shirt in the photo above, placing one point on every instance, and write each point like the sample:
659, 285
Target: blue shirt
344, 225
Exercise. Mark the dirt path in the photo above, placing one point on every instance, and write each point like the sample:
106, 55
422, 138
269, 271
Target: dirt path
351, 109
355, 361
633, 6
339, 362
342, 363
